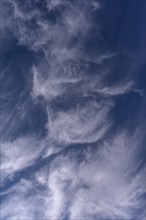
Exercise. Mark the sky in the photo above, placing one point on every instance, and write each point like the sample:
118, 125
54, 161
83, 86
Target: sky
73, 110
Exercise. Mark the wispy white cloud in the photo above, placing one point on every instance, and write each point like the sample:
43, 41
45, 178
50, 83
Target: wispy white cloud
101, 182
117, 90
18, 155
51, 85
84, 124
22, 201
104, 185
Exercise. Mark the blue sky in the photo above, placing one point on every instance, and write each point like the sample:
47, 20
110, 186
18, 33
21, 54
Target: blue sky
73, 110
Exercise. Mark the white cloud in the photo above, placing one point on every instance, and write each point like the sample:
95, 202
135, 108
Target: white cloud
18, 211
106, 184
103, 185
16, 206
84, 124
24, 202
17, 155
53, 84
118, 89
102, 182
51, 5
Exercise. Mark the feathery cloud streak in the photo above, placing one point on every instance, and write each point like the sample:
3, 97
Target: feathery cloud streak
60, 150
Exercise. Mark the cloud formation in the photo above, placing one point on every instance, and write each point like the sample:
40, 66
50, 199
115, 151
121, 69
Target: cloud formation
84, 165
85, 184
